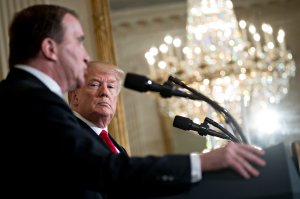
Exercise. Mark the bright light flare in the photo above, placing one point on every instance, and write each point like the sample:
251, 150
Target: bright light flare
267, 121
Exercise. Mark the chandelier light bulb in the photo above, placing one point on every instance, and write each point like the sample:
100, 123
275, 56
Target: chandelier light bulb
229, 4
197, 50
163, 48
270, 45
153, 50
186, 50
194, 11
264, 27
270, 29
252, 29
168, 39
162, 64
256, 37
148, 55
151, 60
281, 33
177, 42
242, 24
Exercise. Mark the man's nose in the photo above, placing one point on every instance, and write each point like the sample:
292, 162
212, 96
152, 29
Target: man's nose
103, 91
86, 58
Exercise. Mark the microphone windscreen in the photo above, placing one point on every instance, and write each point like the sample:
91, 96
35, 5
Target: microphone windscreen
182, 122
136, 82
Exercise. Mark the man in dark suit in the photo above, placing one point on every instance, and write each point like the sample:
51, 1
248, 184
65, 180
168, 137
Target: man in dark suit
45, 151
94, 104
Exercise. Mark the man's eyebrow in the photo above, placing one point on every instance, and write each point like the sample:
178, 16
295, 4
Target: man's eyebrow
111, 80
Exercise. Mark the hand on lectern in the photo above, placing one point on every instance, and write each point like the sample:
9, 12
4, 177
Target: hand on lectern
239, 157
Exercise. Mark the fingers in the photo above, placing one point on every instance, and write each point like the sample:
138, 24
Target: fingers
244, 168
240, 157
253, 154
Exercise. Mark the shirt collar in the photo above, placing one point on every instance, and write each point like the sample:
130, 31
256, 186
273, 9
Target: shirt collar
48, 81
95, 128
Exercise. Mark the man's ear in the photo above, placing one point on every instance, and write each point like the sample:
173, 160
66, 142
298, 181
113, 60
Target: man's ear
49, 48
72, 98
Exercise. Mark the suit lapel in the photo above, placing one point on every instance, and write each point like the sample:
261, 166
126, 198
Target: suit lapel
84, 125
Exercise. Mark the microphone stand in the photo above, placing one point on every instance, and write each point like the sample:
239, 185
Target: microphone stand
225, 131
203, 129
228, 117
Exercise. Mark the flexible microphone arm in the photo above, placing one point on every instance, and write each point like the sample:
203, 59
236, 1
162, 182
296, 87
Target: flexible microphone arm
215, 124
228, 117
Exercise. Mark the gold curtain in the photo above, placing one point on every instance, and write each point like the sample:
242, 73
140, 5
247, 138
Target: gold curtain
106, 53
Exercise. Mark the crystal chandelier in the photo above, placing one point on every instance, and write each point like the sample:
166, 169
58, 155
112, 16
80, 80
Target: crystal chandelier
235, 64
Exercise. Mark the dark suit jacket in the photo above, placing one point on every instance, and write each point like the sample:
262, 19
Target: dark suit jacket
95, 194
121, 149
47, 154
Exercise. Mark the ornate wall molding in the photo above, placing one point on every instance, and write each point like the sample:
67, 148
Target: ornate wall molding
154, 17
254, 3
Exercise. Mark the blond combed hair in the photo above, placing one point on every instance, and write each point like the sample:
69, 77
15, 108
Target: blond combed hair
109, 68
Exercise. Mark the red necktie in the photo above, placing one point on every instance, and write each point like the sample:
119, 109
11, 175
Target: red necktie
104, 136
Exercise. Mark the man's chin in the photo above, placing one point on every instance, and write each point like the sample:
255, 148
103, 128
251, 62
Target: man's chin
104, 110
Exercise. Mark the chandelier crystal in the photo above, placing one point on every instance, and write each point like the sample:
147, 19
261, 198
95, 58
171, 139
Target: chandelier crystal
239, 66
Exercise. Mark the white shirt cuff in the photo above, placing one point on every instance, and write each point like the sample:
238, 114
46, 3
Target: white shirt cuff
196, 173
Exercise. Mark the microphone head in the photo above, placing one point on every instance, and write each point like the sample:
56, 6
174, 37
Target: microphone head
182, 122
136, 82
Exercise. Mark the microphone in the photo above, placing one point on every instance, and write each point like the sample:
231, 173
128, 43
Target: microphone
225, 113
202, 129
143, 84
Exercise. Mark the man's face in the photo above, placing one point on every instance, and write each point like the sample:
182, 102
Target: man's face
72, 54
98, 97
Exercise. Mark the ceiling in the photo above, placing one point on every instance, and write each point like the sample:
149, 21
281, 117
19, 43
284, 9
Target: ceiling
131, 4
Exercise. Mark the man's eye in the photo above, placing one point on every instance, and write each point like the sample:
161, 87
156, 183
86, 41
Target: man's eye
94, 85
